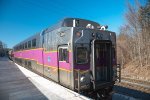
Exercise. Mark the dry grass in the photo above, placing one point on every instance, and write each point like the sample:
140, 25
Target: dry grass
136, 72
133, 73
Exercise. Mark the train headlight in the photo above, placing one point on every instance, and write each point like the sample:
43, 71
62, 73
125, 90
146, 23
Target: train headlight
82, 78
78, 34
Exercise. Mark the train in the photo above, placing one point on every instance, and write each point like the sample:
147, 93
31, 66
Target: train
10, 54
76, 53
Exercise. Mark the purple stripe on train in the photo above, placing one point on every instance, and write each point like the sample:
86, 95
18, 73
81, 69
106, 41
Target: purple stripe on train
50, 59
82, 66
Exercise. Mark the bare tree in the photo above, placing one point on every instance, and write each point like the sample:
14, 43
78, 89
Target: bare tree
134, 38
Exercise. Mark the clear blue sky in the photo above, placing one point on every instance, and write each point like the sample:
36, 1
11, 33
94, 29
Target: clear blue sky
20, 19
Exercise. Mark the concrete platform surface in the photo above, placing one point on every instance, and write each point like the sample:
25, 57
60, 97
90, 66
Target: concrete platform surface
18, 83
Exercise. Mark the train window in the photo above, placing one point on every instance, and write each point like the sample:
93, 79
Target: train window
26, 45
17, 48
77, 23
29, 44
63, 54
82, 55
22, 46
34, 43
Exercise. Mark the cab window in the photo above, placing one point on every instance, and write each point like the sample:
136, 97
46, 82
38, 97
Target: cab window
63, 54
82, 55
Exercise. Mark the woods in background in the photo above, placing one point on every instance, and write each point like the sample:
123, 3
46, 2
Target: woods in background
133, 42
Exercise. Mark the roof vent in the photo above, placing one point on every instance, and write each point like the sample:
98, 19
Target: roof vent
104, 27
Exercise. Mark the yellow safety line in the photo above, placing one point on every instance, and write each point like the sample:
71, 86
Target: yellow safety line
30, 49
82, 71
45, 64
40, 49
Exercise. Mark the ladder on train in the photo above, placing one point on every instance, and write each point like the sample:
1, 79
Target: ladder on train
77, 86
118, 71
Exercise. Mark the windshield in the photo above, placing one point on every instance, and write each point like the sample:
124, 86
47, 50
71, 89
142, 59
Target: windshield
82, 55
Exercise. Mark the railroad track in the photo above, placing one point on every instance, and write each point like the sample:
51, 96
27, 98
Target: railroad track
139, 82
133, 88
143, 86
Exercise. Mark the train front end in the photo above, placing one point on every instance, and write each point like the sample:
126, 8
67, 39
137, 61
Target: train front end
94, 58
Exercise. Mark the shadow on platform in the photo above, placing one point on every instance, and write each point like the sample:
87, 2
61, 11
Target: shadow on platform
15, 85
130, 92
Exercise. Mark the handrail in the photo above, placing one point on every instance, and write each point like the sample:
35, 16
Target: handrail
118, 68
77, 81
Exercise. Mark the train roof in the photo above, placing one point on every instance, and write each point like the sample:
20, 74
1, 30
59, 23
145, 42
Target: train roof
69, 22
29, 38
66, 22
73, 22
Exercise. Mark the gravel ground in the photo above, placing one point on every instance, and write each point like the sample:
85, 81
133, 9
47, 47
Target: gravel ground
128, 93
135, 85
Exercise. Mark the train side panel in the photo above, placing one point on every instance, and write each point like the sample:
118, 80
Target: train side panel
56, 53
45, 57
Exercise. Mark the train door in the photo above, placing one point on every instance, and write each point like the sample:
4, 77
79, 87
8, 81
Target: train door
49, 55
64, 67
102, 61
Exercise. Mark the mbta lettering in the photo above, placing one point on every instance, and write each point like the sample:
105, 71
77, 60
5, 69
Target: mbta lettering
77, 53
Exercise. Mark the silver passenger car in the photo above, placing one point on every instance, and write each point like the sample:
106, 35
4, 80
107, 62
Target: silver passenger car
77, 53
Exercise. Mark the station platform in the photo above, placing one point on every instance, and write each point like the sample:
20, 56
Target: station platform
18, 83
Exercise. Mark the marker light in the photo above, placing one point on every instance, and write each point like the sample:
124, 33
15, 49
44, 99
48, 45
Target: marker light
93, 35
78, 34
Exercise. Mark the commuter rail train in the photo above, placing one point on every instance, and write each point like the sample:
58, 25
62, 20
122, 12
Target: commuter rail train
77, 53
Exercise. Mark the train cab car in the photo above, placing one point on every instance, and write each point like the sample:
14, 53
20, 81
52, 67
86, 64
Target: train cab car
94, 50
77, 53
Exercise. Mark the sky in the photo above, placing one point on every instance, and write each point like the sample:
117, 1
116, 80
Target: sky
20, 19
